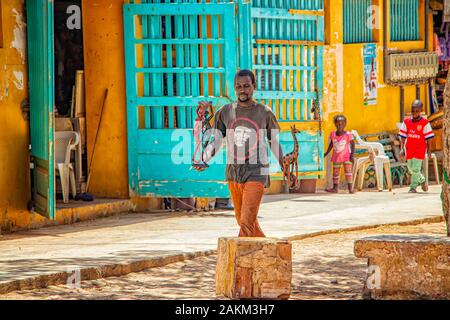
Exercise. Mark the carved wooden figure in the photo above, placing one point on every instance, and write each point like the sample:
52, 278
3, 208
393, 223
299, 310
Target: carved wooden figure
290, 163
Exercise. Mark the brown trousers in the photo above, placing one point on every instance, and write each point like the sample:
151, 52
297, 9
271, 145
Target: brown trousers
246, 200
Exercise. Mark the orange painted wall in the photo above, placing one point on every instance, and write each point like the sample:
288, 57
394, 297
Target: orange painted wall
104, 68
14, 172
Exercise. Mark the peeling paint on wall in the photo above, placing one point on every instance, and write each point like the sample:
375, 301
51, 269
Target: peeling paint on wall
333, 90
4, 92
19, 42
18, 81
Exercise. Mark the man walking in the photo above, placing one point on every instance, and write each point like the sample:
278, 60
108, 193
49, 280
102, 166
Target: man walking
246, 124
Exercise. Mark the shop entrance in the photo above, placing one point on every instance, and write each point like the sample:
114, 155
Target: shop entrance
70, 111
57, 106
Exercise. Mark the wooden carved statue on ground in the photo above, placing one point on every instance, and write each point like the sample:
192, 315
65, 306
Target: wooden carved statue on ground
446, 162
290, 163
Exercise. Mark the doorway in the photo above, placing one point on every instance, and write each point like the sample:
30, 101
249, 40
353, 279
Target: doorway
70, 111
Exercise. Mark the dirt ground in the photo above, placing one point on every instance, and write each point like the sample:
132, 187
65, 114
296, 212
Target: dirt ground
324, 267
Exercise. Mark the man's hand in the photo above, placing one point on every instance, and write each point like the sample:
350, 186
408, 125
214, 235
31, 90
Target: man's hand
204, 105
199, 166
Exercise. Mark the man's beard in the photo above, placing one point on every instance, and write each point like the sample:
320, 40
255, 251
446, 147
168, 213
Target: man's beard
247, 98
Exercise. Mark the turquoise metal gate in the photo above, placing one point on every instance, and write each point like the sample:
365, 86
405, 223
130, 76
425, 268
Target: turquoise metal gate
177, 54
286, 48
181, 52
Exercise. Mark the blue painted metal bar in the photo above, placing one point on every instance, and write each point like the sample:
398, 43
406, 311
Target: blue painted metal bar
230, 48
296, 80
271, 13
177, 9
266, 71
131, 93
169, 64
179, 41
187, 63
309, 86
146, 62
187, 70
286, 95
195, 60
216, 53
302, 80
288, 83
273, 69
205, 56
157, 113
245, 35
287, 68
259, 71
181, 84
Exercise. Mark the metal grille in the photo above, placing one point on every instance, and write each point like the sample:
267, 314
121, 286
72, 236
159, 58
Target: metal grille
182, 61
357, 21
177, 54
287, 55
404, 20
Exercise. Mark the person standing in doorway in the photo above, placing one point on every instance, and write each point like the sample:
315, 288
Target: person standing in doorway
246, 125
415, 133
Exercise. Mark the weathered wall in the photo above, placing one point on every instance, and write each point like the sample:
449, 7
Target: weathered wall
104, 69
14, 172
104, 66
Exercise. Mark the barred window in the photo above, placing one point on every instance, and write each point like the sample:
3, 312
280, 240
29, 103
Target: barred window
404, 20
357, 21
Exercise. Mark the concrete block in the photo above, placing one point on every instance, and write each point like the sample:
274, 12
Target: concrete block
254, 268
406, 267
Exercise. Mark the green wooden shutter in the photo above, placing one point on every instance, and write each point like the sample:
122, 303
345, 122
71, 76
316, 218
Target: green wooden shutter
357, 14
404, 20
40, 69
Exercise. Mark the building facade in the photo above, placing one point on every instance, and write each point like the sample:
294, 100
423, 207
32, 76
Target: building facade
325, 54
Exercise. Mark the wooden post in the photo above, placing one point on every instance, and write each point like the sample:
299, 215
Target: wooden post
446, 161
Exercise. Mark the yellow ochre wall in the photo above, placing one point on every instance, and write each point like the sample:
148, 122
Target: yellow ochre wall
14, 173
104, 66
104, 69
343, 78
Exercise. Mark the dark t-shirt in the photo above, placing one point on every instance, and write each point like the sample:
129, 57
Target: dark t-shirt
247, 130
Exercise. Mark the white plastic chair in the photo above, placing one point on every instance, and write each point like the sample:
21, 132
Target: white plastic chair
65, 143
436, 168
378, 157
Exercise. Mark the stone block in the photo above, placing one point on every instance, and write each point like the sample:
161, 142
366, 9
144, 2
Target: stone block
254, 268
406, 267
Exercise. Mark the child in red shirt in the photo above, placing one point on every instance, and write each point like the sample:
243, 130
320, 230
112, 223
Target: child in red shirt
415, 134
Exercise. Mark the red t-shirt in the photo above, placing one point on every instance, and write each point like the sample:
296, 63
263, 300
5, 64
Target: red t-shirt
416, 135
